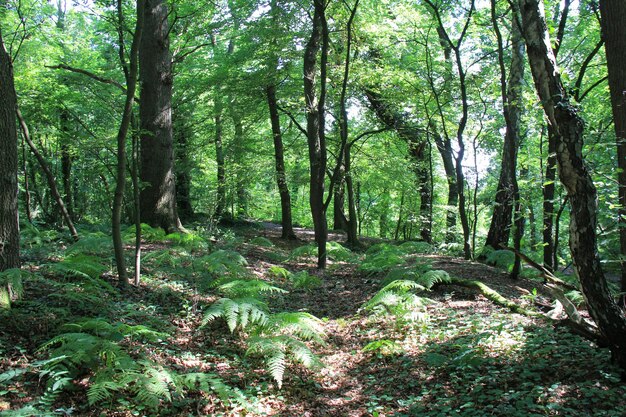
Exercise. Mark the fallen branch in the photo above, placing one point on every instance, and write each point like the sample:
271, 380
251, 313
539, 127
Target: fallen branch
494, 296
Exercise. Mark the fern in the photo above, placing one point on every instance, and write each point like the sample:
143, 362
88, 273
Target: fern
430, 278
238, 313
189, 241
305, 281
247, 288
381, 257
383, 347
299, 324
98, 244
224, 262
306, 251
277, 351
205, 382
164, 258
79, 265
278, 272
338, 252
502, 259
398, 298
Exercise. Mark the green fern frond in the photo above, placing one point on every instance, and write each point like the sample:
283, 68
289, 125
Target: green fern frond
240, 312
277, 351
80, 265
431, 278
206, 382
164, 258
306, 251
223, 263
381, 257
338, 252
278, 272
248, 288
384, 347
303, 325
305, 281
189, 241
503, 259
102, 390
397, 298
97, 244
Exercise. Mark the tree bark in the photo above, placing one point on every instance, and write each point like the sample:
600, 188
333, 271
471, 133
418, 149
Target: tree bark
511, 92
158, 198
575, 177
614, 34
130, 72
9, 218
219, 158
315, 127
182, 164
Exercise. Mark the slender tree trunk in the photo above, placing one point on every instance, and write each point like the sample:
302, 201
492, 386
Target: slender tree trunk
279, 158
614, 34
9, 218
219, 158
352, 230
444, 146
130, 72
136, 197
548, 200
158, 198
511, 92
315, 127
575, 177
183, 178
49, 176
29, 215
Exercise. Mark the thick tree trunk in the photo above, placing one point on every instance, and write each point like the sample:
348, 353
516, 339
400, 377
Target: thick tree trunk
614, 34
279, 159
501, 219
158, 198
315, 128
575, 178
9, 220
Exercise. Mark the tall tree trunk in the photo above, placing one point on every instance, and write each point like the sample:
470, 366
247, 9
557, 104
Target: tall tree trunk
158, 198
130, 73
279, 158
575, 178
219, 158
444, 146
614, 34
501, 219
315, 127
9, 218
183, 178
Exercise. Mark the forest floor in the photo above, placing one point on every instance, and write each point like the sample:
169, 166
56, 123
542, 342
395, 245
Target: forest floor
465, 356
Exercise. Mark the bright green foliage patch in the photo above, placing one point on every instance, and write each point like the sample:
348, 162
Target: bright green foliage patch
262, 241
502, 259
305, 281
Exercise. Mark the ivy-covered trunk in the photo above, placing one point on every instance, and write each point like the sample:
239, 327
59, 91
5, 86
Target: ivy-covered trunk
9, 224
576, 179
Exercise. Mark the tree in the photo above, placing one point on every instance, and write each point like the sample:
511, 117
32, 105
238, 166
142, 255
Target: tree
158, 198
614, 35
9, 219
130, 72
501, 219
575, 177
316, 135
